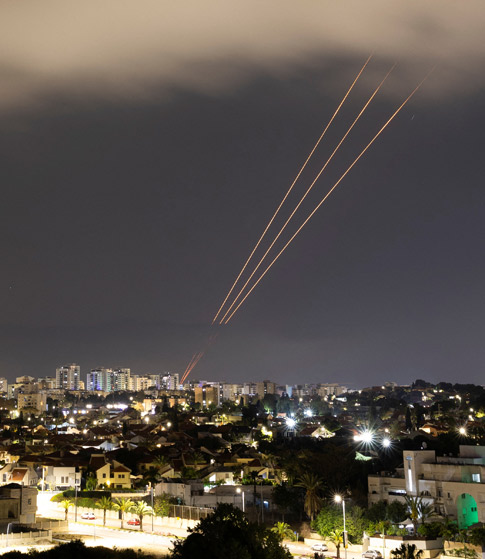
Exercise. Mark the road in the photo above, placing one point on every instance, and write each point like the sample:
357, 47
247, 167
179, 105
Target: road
303, 550
94, 534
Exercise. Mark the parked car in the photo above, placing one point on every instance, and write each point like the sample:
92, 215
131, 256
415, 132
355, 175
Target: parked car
134, 522
372, 554
88, 516
320, 547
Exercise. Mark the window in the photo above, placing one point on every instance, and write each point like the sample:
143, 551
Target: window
104, 475
476, 478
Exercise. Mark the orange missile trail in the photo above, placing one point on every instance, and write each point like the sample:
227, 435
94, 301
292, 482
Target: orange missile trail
189, 365
241, 291
198, 356
290, 189
192, 365
190, 362
328, 194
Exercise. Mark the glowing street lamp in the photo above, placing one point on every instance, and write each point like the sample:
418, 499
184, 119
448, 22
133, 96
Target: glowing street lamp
462, 431
367, 437
386, 442
339, 499
239, 490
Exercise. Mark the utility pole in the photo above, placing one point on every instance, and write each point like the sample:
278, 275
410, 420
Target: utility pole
153, 512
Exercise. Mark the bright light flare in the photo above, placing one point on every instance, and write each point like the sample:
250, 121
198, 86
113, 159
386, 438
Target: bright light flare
338, 498
290, 423
308, 413
367, 437
386, 442
462, 431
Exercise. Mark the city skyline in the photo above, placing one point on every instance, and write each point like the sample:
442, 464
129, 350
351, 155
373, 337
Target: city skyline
140, 166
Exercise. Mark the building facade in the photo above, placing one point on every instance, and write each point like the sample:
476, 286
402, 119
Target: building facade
453, 485
67, 377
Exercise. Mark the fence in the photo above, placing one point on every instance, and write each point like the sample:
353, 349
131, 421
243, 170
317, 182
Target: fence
24, 538
189, 513
53, 525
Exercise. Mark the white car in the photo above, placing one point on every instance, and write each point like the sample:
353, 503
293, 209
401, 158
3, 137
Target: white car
372, 554
320, 547
88, 516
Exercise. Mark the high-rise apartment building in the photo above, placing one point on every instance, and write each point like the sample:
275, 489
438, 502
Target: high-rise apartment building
265, 387
67, 377
120, 380
170, 381
98, 379
142, 382
206, 395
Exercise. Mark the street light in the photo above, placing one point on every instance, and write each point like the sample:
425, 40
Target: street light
340, 499
8, 528
239, 490
75, 497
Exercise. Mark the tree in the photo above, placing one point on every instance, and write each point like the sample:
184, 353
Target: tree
91, 482
312, 485
418, 510
161, 506
477, 536
396, 512
330, 519
105, 503
407, 551
123, 506
283, 531
285, 497
150, 476
141, 509
66, 504
337, 538
227, 533
160, 461
449, 530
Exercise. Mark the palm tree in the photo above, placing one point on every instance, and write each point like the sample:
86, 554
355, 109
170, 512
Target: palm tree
407, 551
141, 509
105, 503
418, 510
123, 506
283, 531
312, 485
337, 538
91, 482
425, 510
66, 505
198, 458
160, 462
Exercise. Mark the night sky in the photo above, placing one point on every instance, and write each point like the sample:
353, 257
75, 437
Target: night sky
144, 146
